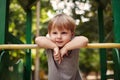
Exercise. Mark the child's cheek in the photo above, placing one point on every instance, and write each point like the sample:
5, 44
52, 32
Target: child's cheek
52, 39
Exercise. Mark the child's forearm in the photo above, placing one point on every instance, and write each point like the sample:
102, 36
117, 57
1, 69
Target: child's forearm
44, 42
77, 42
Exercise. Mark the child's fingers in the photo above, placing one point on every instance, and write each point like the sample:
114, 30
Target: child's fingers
59, 61
64, 54
56, 50
56, 56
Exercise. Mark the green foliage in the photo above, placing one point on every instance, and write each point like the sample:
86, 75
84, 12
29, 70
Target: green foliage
43, 61
89, 60
17, 20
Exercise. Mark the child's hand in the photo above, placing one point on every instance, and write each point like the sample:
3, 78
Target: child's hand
63, 52
57, 55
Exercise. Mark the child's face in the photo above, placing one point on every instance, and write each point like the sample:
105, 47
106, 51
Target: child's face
60, 37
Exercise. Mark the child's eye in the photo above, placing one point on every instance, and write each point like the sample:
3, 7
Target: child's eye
64, 32
54, 32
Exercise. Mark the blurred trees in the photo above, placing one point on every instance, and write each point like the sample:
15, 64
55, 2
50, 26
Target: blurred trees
85, 14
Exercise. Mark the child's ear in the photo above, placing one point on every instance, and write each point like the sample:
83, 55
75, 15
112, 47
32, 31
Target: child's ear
73, 35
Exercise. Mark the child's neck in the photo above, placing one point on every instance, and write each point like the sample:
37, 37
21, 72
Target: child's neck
60, 47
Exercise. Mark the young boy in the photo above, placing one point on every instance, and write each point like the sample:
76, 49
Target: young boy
62, 48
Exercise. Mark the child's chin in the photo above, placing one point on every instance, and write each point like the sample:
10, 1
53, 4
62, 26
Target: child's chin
60, 46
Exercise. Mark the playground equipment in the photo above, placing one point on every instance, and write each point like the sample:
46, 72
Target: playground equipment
35, 46
26, 4
116, 55
5, 36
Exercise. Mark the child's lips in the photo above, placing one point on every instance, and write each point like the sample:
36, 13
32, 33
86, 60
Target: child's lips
59, 41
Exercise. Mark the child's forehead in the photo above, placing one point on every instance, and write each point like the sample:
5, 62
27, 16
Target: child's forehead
62, 28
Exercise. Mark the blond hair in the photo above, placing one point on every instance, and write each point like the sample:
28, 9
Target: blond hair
62, 21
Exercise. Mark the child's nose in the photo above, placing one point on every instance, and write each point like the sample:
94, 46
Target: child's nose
59, 36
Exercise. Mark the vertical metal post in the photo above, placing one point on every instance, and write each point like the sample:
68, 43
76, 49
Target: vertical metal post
116, 16
4, 11
37, 62
103, 59
27, 74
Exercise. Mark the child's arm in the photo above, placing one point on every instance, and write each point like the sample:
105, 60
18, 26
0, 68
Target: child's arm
75, 43
44, 42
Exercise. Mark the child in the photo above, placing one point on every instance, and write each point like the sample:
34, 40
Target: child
62, 48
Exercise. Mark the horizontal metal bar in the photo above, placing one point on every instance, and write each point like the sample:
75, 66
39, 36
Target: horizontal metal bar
18, 46
35, 46
103, 45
